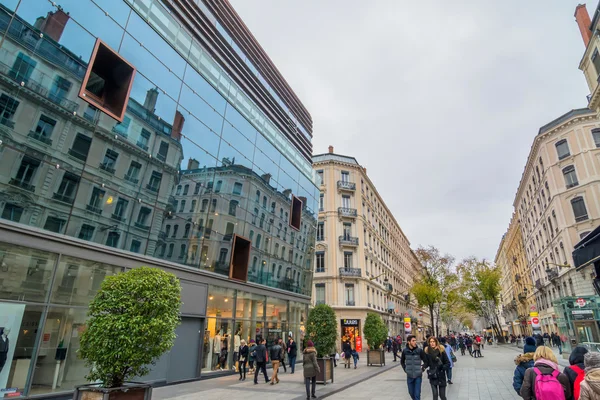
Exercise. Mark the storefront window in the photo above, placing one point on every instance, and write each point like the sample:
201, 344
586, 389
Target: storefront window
249, 313
297, 320
218, 341
77, 280
276, 320
19, 334
25, 274
58, 368
220, 302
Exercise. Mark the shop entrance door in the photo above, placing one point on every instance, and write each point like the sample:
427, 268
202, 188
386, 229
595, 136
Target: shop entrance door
587, 332
186, 352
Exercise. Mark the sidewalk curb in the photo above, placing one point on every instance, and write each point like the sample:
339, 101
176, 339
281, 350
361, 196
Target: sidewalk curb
351, 384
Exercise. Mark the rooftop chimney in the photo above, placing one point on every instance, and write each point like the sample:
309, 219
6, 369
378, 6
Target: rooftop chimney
583, 21
151, 98
54, 24
365, 169
330, 149
193, 164
177, 126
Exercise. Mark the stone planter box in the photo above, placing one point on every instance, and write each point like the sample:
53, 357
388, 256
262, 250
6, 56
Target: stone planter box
130, 391
326, 367
376, 357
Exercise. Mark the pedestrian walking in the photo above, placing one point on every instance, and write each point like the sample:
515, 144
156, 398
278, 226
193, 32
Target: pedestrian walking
355, 357
412, 360
311, 369
461, 344
275, 354
523, 362
437, 363
347, 350
260, 357
476, 349
395, 349
453, 343
576, 370
251, 352
469, 344
242, 359
590, 386
292, 350
283, 352
449, 353
557, 343
544, 381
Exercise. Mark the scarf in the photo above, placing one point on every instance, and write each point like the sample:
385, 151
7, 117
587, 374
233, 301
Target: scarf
547, 363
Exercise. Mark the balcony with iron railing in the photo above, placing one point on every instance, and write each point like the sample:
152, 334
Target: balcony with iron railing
131, 179
350, 303
351, 272
348, 241
107, 167
345, 185
38, 83
22, 184
142, 226
94, 209
117, 217
552, 273
63, 198
40, 137
347, 212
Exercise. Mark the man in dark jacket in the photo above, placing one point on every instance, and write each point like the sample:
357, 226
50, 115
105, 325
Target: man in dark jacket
260, 357
576, 363
395, 349
292, 350
411, 360
557, 342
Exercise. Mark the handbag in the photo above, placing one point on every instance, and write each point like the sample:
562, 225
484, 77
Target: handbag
453, 357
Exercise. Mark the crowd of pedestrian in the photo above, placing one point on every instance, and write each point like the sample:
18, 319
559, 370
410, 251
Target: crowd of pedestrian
538, 376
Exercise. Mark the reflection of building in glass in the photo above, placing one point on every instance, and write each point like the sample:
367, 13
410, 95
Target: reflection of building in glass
207, 152
208, 205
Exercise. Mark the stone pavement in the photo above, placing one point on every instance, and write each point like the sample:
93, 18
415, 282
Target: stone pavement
487, 378
291, 387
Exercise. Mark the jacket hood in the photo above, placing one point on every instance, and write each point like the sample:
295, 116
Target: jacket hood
593, 380
310, 350
577, 354
523, 358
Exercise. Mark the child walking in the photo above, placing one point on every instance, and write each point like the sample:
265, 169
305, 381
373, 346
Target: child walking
355, 357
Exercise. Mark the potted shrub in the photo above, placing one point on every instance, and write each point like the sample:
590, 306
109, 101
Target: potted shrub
321, 329
132, 321
375, 332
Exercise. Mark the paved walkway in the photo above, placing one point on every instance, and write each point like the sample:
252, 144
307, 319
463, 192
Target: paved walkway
291, 387
487, 378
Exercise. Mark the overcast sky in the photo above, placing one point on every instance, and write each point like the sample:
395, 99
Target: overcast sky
439, 99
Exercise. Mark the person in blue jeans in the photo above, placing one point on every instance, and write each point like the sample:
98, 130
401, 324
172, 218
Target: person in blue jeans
292, 350
449, 354
412, 360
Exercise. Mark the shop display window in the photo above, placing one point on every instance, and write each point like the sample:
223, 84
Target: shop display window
25, 274
19, 333
220, 302
217, 345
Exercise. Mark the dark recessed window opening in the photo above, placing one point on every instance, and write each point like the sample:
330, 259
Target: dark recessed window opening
240, 257
296, 213
108, 81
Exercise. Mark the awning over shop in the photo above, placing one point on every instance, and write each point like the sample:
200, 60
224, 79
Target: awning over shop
587, 250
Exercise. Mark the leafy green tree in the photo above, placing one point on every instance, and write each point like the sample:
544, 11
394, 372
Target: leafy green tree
480, 285
132, 321
436, 284
375, 330
321, 329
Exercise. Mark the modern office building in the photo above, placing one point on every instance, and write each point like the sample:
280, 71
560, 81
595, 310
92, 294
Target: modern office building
557, 206
147, 133
364, 262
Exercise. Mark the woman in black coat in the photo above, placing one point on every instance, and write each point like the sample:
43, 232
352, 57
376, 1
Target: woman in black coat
242, 359
347, 350
437, 363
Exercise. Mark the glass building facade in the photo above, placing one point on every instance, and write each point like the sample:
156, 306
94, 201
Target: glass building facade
169, 166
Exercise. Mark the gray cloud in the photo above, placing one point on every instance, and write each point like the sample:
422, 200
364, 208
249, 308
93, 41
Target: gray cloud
439, 100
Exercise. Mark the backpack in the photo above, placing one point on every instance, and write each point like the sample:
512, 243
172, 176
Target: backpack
580, 376
547, 387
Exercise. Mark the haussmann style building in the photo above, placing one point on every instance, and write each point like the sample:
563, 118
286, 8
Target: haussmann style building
153, 133
364, 262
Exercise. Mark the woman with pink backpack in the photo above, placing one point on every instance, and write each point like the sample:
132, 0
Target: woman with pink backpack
544, 381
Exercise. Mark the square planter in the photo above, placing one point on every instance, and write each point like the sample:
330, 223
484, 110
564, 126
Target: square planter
376, 357
130, 391
326, 367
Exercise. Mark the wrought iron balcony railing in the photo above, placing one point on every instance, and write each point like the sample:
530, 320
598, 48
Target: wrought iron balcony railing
344, 185
347, 212
352, 272
348, 240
